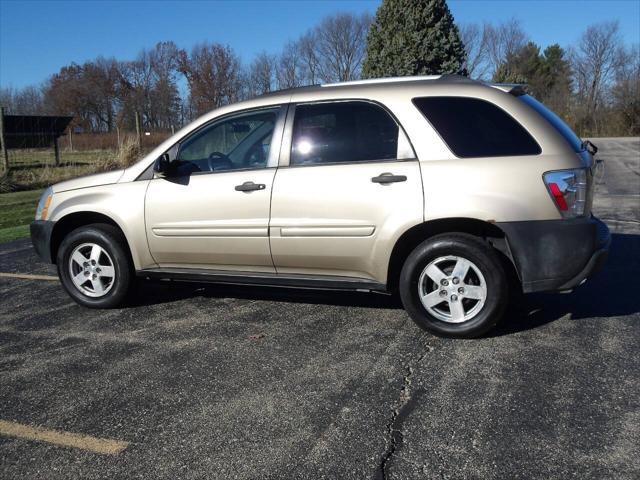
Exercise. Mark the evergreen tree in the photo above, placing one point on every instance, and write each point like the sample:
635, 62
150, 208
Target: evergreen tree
524, 66
413, 37
547, 75
558, 72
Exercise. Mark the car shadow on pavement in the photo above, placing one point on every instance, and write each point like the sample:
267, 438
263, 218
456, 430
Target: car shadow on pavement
615, 291
155, 292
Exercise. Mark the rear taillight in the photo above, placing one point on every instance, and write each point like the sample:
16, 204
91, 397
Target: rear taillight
569, 189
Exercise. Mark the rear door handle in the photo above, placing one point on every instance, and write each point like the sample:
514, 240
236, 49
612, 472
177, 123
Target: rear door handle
250, 186
389, 178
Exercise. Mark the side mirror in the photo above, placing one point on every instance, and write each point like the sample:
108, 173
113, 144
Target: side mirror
162, 164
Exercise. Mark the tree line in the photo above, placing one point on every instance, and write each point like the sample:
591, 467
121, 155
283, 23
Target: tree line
594, 84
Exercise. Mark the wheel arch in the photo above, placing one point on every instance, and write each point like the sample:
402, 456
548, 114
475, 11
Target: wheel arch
415, 235
74, 220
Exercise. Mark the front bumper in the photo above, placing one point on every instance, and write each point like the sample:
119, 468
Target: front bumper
41, 238
556, 255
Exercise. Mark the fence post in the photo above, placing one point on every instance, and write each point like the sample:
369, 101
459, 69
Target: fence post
138, 132
56, 151
5, 154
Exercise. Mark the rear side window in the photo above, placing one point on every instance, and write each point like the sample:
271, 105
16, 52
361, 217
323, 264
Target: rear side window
342, 132
476, 128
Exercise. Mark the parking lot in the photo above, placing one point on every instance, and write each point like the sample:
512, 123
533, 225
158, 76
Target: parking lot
203, 381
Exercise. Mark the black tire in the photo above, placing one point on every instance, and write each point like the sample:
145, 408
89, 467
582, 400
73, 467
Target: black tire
485, 259
112, 241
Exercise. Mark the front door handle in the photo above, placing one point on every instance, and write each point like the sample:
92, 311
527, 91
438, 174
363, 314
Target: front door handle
250, 186
389, 178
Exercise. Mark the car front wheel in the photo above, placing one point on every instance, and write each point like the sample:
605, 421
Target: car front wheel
454, 285
94, 266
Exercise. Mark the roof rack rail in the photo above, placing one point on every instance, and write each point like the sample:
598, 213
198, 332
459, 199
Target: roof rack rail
286, 90
373, 81
450, 77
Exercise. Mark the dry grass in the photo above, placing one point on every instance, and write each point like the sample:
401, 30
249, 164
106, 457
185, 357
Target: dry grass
31, 169
130, 152
6, 185
34, 171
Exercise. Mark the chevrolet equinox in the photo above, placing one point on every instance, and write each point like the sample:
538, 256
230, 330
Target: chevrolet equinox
440, 188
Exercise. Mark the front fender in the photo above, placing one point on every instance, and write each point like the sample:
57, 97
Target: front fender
122, 202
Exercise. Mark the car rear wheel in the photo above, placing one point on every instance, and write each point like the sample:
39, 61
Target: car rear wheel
94, 266
454, 285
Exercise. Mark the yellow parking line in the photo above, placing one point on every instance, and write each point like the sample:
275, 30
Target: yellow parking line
63, 439
29, 277
20, 249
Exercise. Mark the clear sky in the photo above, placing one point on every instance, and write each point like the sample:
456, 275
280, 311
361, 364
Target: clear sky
38, 37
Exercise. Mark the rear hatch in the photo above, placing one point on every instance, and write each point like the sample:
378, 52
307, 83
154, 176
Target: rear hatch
585, 150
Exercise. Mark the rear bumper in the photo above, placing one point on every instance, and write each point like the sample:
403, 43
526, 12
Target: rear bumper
41, 238
556, 255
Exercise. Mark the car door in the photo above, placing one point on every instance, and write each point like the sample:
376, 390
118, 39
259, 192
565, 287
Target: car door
212, 210
349, 184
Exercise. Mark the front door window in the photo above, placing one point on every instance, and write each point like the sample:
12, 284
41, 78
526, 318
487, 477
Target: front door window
240, 142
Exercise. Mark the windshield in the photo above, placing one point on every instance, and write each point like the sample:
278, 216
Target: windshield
556, 121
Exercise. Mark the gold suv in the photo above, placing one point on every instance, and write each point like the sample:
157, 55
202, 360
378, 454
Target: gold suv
441, 188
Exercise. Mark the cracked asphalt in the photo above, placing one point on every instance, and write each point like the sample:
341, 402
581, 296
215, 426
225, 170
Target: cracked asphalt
235, 382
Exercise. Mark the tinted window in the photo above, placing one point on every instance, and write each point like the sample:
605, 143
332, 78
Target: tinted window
476, 128
342, 132
237, 142
555, 121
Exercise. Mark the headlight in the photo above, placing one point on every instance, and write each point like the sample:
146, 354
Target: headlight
43, 204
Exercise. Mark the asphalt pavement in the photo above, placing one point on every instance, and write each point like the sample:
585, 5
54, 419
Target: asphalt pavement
205, 381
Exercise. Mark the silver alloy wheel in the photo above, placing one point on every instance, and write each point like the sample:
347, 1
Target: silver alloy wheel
92, 270
452, 289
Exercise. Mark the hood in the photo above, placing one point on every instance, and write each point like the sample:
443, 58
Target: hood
94, 180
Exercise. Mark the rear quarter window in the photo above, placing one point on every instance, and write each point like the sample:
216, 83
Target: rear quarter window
476, 128
555, 121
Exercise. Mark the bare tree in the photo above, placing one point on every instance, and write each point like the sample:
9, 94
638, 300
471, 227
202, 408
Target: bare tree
332, 51
502, 41
475, 40
148, 86
309, 57
213, 73
290, 69
86, 91
99, 89
594, 62
24, 101
7, 95
135, 87
262, 74
341, 44
626, 93
63, 95
164, 111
